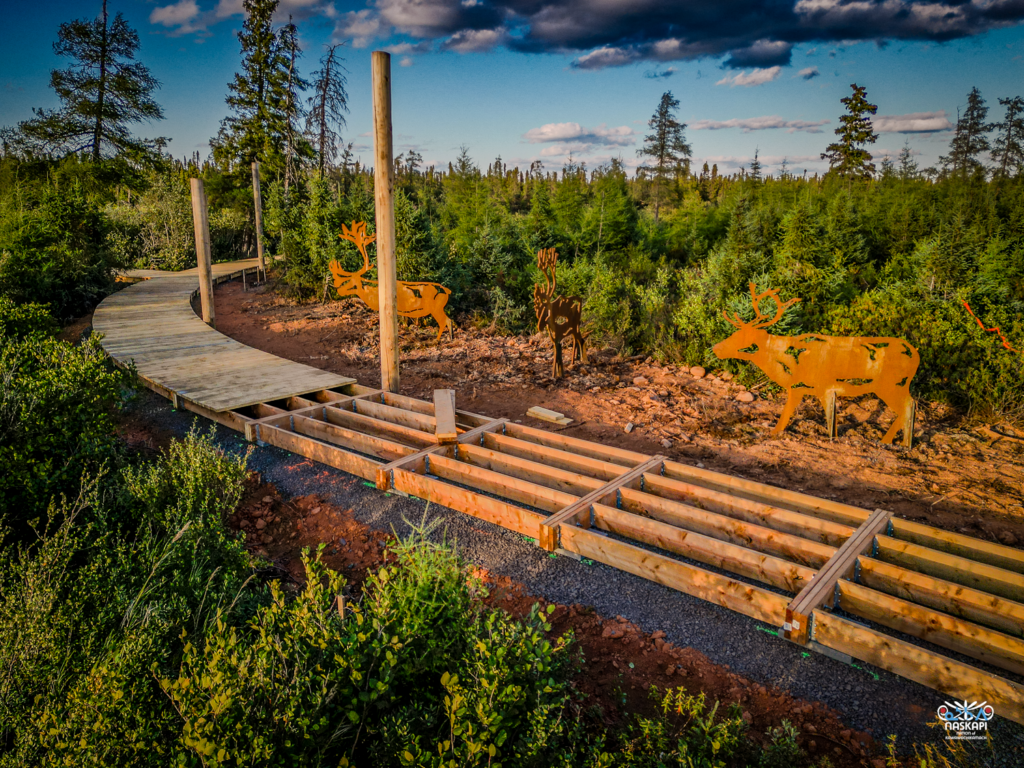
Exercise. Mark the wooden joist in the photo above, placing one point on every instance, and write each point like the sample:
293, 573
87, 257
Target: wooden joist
822, 590
444, 416
385, 475
579, 511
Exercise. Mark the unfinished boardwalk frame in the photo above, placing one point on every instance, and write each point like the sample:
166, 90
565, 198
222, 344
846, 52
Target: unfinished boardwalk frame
754, 549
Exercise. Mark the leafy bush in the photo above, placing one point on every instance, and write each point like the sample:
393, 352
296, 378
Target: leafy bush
19, 321
56, 408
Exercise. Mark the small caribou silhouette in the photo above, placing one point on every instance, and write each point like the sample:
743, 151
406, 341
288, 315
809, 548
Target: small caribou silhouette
414, 299
825, 366
559, 315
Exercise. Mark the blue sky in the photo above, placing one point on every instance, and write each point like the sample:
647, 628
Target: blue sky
537, 79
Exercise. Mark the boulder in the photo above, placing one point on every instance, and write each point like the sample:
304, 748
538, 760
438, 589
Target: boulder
697, 372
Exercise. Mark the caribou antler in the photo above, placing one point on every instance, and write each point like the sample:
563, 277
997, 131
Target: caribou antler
547, 258
356, 233
761, 320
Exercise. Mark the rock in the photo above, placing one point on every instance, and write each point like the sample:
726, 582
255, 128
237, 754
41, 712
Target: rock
657, 634
629, 428
725, 376
666, 443
268, 499
612, 632
697, 372
745, 397
641, 381
1007, 538
314, 510
261, 524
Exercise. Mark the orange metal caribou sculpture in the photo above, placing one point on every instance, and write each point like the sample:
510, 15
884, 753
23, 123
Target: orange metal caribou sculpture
825, 366
559, 315
414, 299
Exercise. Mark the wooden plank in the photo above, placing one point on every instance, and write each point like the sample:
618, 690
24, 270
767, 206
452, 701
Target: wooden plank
575, 445
385, 429
374, 446
987, 578
444, 416
779, 518
704, 549
579, 511
394, 415
954, 599
822, 591
743, 598
958, 635
385, 476
523, 469
545, 414
475, 504
584, 465
331, 455
537, 496
938, 672
719, 526
957, 544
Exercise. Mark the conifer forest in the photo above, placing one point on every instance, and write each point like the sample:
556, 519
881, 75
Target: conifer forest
142, 622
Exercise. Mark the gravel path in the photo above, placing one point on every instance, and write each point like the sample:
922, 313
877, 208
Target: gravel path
869, 699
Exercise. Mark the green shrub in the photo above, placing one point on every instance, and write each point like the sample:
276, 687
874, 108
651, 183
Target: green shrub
19, 321
56, 420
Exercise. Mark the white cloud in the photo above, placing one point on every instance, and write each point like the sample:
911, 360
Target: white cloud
181, 18
756, 77
808, 73
622, 136
475, 40
362, 27
406, 61
606, 57
915, 122
768, 122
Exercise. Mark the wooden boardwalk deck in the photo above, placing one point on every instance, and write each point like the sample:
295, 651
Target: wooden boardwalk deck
152, 324
815, 568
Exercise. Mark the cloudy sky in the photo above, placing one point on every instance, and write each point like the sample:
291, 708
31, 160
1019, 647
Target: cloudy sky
539, 79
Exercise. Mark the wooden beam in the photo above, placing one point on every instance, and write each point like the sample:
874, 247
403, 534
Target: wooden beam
394, 415
536, 496
771, 516
957, 544
987, 578
257, 199
801, 551
385, 475
531, 471
388, 450
444, 416
822, 590
201, 224
743, 598
470, 502
954, 599
386, 429
580, 510
938, 672
383, 191
958, 635
331, 455
704, 549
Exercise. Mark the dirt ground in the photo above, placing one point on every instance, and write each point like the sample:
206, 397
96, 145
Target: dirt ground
961, 475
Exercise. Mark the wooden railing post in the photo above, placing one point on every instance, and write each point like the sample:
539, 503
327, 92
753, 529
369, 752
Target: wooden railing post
258, 201
201, 220
383, 186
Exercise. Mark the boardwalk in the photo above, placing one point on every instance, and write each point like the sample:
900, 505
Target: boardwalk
151, 323
785, 559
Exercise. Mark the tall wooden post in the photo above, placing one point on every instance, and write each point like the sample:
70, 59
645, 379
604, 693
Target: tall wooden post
258, 200
383, 187
201, 220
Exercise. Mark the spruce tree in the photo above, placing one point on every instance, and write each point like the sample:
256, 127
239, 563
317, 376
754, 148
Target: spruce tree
848, 157
908, 168
969, 140
101, 93
327, 106
1008, 148
665, 147
259, 124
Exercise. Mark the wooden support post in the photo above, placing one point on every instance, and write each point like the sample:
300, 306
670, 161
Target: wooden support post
444, 416
383, 188
386, 474
830, 413
258, 201
201, 220
822, 589
549, 528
